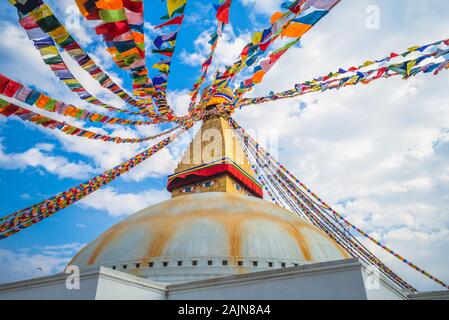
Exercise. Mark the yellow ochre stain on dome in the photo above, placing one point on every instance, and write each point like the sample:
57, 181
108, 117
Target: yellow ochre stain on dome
304, 224
105, 239
165, 225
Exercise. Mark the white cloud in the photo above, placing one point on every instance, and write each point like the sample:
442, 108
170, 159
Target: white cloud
179, 101
159, 165
107, 155
23, 264
102, 155
266, 7
201, 15
39, 157
228, 50
118, 204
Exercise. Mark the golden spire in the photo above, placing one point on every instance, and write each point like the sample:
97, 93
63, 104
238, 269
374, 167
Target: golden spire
214, 161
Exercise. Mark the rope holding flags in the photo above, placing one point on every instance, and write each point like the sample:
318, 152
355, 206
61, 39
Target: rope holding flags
307, 14
44, 29
8, 110
222, 17
25, 218
431, 58
165, 45
299, 17
283, 193
122, 31
301, 186
24, 94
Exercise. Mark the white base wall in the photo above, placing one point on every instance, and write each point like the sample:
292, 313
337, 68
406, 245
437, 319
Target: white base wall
338, 280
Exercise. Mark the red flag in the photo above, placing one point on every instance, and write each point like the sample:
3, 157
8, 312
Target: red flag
3, 83
380, 72
264, 46
11, 88
134, 6
393, 55
175, 20
9, 110
112, 29
274, 57
223, 12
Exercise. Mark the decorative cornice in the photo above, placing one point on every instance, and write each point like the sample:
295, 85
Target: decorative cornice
214, 168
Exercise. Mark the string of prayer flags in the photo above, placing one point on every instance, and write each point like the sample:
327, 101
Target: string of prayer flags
24, 94
249, 54
8, 110
50, 55
37, 15
204, 70
27, 217
410, 63
309, 13
165, 45
222, 17
134, 12
122, 31
283, 24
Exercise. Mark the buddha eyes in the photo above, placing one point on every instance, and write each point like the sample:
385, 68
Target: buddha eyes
237, 187
208, 184
190, 189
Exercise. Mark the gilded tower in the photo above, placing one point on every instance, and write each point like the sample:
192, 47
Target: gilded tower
214, 162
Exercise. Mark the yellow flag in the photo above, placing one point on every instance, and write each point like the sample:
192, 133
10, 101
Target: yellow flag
41, 12
353, 80
257, 37
413, 48
172, 5
368, 63
58, 32
70, 81
410, 65
51, 50
161, 67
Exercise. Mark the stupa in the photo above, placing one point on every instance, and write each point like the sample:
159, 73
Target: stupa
216, 222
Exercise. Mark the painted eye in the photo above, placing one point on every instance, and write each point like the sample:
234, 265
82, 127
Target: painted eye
187, 189
208, 184
238, 187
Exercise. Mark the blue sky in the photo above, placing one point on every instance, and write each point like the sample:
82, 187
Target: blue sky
378, 152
